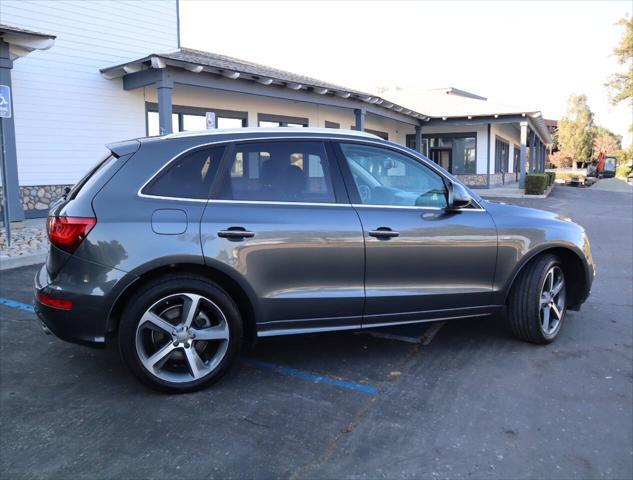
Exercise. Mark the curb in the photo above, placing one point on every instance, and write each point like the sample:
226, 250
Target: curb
23, 261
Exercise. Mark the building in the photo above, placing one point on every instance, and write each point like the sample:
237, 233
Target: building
116, 73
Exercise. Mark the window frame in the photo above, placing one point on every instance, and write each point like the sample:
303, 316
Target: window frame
224, 171
502, 165
352, 188
181, 110
283, 120
426, 148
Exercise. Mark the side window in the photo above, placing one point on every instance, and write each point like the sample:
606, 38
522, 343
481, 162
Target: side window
279, 171
189, 177
386, 177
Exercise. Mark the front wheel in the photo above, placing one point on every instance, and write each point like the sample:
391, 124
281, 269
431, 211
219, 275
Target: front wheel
538, 301
180, 334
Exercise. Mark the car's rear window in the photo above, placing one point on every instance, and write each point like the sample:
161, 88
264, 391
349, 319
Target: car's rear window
188, 177
94, 173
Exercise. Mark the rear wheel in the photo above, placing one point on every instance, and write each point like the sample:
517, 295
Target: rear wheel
538, 301
180, 334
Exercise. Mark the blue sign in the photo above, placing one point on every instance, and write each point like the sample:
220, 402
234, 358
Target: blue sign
5, 101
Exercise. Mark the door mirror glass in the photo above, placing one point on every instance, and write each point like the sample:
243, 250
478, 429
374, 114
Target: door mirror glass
459, 197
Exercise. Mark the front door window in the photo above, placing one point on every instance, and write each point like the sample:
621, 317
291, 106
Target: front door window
386, 177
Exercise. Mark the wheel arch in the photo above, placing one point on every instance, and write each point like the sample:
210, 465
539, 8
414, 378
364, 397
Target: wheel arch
240, 293
574, 267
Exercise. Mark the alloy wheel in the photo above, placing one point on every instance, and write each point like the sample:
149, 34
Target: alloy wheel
182, 337
552, 301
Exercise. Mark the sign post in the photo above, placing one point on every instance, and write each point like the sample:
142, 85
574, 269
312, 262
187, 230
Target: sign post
5, 112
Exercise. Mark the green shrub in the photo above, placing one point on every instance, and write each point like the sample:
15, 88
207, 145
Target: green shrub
623, 171
551, 177
536, 183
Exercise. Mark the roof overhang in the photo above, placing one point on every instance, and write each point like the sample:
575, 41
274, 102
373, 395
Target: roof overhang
308, 90
22, 42
534, 119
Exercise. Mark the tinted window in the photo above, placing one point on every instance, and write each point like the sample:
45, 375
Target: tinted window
386, 177
279, 171
189, 177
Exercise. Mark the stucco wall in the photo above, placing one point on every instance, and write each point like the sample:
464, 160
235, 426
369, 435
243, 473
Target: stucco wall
508, 132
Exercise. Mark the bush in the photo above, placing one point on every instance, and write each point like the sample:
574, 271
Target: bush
536, 183
551, 178
623, 171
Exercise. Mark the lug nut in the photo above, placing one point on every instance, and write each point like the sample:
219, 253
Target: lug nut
175, 343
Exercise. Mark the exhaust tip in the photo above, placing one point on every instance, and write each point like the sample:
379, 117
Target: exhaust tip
45, 329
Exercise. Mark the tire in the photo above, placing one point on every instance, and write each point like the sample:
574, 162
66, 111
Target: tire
180, 333
536, 314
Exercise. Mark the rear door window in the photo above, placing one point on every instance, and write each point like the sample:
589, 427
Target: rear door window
279, 171
189, 177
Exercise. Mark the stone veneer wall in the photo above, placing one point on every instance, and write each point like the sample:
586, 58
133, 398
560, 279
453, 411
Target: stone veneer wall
38, 197
473, 179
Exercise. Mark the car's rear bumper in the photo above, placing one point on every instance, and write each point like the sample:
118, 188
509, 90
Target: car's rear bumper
92, 289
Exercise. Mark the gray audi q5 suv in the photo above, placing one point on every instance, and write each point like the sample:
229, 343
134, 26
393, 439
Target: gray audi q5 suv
185, 247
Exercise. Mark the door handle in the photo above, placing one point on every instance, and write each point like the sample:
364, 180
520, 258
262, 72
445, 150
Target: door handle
235, 233
383, 232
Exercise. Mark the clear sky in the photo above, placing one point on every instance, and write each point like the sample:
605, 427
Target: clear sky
533, 54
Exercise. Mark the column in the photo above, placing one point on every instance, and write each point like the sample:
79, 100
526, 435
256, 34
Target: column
360, 119
9, 153
522, 158
164, 88
418, 138
532, 139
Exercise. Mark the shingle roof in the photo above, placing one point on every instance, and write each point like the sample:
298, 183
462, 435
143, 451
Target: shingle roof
225, 62
196, 60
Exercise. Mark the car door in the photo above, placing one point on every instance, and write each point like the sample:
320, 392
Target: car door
422, 260
280, 220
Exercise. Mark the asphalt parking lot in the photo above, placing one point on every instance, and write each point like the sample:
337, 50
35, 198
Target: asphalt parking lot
459, 400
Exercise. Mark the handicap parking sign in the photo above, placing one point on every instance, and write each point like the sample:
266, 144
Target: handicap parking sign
5, 101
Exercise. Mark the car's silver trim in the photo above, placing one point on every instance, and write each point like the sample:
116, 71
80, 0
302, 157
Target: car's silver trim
305, 136
298, 331
279, 202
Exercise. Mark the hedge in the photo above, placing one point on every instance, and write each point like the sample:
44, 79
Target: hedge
536, 183
552, 177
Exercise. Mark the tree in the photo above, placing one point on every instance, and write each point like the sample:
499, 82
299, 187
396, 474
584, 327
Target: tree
560, 159
621, 83
605, 141
575, 130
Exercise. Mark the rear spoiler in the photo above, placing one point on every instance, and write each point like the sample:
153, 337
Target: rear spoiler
126, 147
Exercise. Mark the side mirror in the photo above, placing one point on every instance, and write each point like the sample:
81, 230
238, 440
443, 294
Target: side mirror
458, 197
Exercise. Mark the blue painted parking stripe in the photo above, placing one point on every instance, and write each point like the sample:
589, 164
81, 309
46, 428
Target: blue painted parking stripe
17, 305
312, 377
291, 372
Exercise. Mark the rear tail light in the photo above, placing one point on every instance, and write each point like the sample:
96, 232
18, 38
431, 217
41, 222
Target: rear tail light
67, 233
54, 302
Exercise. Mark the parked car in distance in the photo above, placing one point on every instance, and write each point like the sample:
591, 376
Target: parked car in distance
184, 247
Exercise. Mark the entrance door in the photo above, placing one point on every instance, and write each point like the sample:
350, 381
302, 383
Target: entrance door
421, 261
443, 157
280, 219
